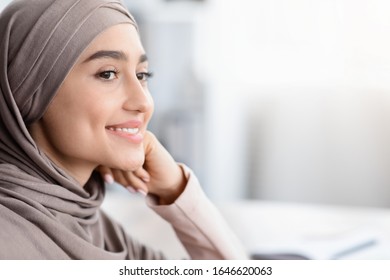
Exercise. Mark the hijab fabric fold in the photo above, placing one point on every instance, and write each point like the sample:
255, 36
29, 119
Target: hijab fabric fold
44, 212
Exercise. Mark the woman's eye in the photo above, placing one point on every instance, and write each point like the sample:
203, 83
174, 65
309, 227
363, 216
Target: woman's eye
108, 75
144, 76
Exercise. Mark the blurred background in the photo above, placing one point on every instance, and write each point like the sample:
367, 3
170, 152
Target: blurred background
274, 99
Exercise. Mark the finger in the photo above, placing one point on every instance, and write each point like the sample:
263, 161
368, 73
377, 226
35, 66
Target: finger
128, 180
134, 182
119, 177
106, 174
142, 174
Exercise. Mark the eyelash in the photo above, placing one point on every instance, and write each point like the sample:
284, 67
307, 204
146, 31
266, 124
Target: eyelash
142, 76
103, 74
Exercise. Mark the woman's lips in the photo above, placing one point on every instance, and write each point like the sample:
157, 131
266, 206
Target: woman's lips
129, 130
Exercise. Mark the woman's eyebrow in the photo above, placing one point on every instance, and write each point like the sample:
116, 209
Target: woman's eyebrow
118, 55
143, 58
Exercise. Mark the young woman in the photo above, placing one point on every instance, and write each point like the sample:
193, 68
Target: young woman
74, 99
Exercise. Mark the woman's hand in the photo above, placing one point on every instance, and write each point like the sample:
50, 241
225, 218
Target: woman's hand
160, 175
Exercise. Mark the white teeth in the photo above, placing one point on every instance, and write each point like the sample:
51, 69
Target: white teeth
126, 130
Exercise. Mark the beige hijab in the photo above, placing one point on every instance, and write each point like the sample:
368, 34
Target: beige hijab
44, 213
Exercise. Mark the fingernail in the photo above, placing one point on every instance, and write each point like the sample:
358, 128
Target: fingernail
108, 178
131, 189
144, 193
145, 179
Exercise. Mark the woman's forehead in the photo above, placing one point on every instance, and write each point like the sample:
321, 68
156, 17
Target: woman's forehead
121, 41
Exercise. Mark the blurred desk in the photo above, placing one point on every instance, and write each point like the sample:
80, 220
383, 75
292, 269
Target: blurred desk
315, 231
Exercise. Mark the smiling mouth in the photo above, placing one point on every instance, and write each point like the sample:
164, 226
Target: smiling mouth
129, 130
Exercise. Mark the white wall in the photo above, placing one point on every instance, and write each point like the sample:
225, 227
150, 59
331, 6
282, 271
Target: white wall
311, 42
314, 78
328, 145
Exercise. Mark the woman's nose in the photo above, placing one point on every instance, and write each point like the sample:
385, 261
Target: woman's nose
138, 98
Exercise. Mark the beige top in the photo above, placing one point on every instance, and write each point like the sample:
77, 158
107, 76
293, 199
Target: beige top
199, 225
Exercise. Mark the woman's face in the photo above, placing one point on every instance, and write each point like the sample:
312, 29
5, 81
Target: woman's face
101, 111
